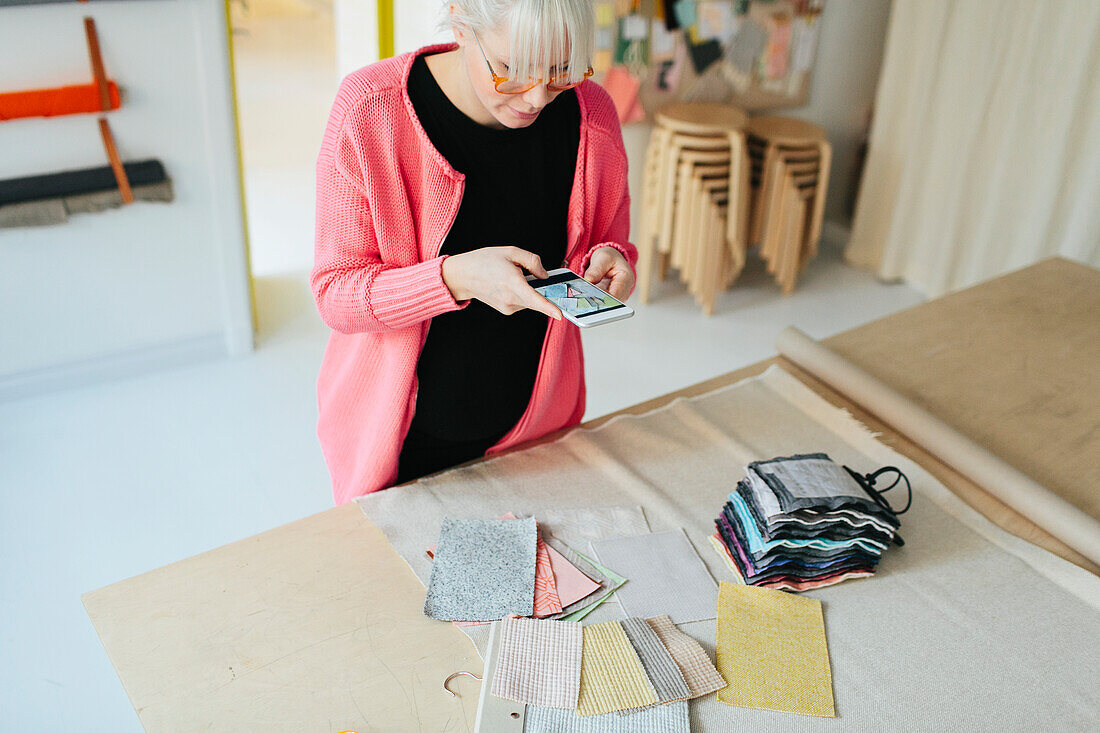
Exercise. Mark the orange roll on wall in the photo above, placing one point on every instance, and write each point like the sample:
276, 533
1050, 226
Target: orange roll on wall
55, 102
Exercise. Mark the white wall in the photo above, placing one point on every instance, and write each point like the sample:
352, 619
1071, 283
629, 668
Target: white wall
357, 29
849, 58
118, 291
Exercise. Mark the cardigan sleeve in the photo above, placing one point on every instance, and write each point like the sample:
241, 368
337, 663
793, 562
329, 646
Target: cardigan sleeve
355, 291
616, 232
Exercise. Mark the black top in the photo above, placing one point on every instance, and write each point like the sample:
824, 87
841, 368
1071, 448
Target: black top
477, 369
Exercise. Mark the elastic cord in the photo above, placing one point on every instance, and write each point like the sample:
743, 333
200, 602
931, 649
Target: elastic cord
867, 481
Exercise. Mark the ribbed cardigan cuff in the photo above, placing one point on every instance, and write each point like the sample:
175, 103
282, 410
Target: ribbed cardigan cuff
624, 251
404, 296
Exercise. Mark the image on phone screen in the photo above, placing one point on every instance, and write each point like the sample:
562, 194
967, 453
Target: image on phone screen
576, 296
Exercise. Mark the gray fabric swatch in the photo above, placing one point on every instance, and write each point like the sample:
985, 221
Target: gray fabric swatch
670, 718
607, 585
484, 570
658, 664
33, 213
102, 200
666, 576
48, 212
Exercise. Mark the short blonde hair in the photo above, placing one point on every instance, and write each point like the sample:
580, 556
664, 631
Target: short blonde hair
542, 32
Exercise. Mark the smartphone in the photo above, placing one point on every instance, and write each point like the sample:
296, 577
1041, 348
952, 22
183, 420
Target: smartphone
579, 300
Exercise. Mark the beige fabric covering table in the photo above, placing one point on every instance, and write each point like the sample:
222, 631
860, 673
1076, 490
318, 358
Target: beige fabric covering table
316, 625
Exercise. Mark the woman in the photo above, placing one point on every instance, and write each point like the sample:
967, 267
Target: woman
445, 176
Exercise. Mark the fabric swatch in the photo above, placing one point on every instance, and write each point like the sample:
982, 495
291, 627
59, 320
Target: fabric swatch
547, 601
657, 662
671, 718
546, 591
784, 582
484, 569
666, 576
612, 676
615, 581
607, 581
579, 526
539, 662
46, 212
772, 650
571, 584
700, 675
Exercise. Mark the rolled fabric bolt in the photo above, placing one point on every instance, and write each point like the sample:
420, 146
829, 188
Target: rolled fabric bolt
74, 182
1046, 509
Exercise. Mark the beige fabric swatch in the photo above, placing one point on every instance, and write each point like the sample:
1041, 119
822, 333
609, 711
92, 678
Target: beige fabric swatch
612, 677
772, 649
700, 675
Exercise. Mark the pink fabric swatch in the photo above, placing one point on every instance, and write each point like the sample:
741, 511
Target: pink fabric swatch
572, 584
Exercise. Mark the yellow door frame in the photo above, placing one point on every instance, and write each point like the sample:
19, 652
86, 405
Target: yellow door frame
385, 28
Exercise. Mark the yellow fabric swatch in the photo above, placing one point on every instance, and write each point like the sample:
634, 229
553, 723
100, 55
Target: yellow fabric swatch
772, 651
612, 677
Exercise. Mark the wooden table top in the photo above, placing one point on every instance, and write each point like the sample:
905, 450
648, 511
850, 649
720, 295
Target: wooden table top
317, 625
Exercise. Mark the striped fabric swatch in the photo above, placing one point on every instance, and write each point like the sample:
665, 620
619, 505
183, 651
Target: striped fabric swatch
700, 675
671, 718
539, 662
612, 676
660, 667
772, 649
547, 602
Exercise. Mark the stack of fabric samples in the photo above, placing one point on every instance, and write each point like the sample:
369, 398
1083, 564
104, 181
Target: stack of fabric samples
632, 675
802, 522
486, 569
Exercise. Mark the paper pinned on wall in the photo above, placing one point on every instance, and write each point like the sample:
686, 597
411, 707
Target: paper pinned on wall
746, 46
685, 12
777, 53
663, 43
805, 44
634, 28
623, 88
605, 14
605, 39
704, 54
716, 20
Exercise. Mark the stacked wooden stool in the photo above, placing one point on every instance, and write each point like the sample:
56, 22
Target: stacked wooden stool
695, 199
790, 171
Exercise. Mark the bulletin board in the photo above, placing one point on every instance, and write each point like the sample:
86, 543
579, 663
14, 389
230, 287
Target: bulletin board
756, 54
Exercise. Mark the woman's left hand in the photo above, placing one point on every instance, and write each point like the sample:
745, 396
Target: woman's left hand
610, 271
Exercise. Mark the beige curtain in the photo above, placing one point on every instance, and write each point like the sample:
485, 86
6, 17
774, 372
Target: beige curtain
985, 149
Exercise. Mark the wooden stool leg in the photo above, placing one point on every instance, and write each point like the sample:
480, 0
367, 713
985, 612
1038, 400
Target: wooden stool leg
647, 242
819, 197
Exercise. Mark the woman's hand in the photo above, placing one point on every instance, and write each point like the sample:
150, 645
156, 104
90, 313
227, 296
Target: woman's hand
609, 270
494, 275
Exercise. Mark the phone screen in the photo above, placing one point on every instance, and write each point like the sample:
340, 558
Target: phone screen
575, 296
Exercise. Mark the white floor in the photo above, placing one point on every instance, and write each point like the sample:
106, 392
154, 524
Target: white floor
102, 483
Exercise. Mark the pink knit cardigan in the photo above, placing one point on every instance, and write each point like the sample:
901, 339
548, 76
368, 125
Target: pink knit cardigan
386, 199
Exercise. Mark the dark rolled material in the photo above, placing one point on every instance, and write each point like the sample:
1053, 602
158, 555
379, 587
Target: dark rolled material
72, 183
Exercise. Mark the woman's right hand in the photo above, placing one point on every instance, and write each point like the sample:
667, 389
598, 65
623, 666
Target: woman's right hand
495, 276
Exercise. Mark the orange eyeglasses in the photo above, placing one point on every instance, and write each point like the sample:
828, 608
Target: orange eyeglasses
504, 85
